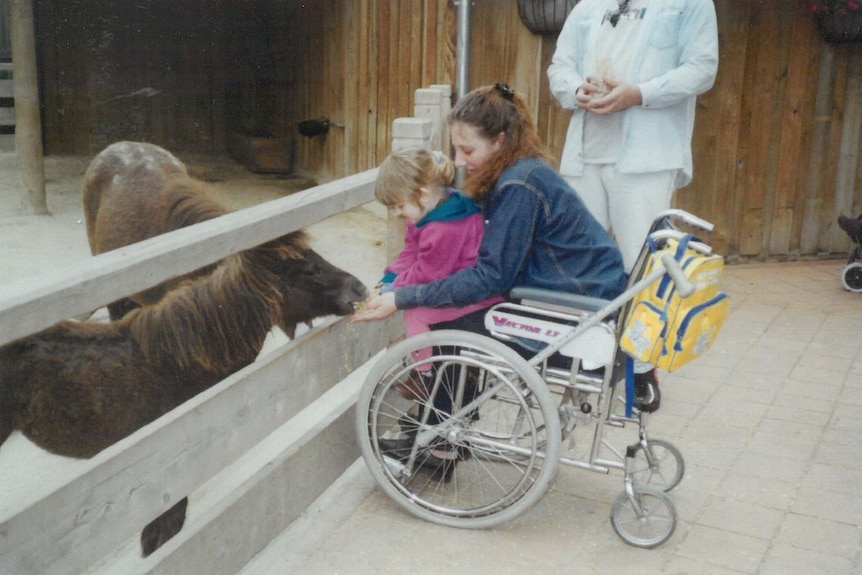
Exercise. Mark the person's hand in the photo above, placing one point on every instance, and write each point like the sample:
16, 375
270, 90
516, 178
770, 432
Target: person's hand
380, 307
622, 96
588, 91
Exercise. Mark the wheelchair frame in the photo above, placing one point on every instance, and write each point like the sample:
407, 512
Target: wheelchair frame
499, 420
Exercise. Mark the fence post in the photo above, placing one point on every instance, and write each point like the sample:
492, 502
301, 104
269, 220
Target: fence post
427, 104
411, 132
406, 133
445, 107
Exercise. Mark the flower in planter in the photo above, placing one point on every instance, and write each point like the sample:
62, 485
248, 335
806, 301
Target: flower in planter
835, 6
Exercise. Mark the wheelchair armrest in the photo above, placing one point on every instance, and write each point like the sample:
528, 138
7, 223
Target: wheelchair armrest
568, 300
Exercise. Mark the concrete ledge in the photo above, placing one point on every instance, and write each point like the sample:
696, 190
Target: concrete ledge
241, 510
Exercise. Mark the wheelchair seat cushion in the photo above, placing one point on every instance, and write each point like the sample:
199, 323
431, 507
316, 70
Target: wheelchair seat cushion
568, 300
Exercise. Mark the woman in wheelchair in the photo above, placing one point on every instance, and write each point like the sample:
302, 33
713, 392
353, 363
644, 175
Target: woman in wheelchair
538, 233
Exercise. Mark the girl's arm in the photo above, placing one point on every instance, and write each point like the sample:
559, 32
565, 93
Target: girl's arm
502, 255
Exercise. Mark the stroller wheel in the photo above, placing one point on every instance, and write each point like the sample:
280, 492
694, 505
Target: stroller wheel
852, 277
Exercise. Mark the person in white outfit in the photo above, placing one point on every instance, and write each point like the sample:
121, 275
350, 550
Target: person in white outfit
631, 71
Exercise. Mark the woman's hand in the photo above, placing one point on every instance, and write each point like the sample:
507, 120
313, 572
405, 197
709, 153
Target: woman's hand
380, 307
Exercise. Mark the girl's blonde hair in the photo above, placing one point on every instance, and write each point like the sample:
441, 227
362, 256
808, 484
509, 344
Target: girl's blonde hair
403, 172
495, 110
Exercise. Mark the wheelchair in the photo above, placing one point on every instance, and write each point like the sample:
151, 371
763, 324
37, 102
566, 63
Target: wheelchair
504, 423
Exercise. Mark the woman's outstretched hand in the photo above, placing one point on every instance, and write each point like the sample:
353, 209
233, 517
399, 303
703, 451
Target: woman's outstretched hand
380, 307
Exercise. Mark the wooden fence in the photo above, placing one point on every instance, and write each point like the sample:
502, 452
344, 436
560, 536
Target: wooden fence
72, 529
261, 445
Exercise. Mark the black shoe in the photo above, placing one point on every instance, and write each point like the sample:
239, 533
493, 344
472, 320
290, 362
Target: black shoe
409, 424
852, 226
647, 394
396, 448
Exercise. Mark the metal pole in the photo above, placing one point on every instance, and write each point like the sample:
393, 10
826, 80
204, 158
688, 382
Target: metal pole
462, 49
462, 62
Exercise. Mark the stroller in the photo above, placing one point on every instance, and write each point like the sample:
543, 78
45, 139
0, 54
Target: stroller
851, 275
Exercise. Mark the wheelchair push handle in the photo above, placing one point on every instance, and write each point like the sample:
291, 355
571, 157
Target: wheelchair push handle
683, 286
687, 218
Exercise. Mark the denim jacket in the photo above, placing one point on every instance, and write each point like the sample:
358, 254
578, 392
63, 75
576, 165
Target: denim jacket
675, 59
538, 233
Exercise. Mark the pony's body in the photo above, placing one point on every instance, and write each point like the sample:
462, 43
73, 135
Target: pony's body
135, 191
78, 387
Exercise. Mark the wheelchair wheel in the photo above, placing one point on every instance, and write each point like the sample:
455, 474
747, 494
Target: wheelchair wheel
851, 277
660, 465
478, 401
645, 519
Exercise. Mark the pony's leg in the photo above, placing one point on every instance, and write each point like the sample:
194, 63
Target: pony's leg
7, 411
120, 308
164, 527
6, 428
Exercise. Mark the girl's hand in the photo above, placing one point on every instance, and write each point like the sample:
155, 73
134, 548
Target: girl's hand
380, 307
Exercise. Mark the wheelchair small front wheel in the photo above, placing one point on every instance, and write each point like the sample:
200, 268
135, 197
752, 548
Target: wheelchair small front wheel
851, 277
659, 464
474, 441
646, 518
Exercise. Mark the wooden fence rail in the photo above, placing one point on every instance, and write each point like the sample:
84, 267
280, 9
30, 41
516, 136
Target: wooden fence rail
31, 305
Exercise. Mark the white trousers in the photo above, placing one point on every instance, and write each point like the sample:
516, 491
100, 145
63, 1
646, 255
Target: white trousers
625, 204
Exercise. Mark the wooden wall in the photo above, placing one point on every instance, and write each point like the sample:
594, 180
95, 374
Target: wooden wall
361, 62
776, 142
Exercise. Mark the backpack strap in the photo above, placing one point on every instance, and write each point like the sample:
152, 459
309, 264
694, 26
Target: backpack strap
630, 384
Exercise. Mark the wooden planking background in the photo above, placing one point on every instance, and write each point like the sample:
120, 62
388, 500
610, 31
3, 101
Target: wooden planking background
776, 147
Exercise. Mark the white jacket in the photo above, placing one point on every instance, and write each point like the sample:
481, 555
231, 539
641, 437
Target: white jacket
676, 59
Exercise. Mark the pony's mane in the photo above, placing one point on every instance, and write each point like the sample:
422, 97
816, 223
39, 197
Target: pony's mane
217, 322
191, 202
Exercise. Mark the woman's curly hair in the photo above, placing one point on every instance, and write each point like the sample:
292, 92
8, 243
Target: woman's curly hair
494, 110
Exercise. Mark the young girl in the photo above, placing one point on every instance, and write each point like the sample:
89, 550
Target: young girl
444, 230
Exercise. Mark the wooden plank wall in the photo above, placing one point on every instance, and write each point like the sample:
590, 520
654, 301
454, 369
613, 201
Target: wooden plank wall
363, 76
775, 152
148, 71
5, 30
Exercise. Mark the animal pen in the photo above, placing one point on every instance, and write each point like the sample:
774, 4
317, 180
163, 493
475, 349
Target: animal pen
270, 438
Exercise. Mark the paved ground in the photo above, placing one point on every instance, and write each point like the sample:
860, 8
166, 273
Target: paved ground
767, 422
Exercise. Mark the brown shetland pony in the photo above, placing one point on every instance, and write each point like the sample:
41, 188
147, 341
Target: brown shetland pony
134, 191
78, 387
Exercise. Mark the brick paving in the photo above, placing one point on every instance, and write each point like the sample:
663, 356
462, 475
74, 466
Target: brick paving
767, 422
